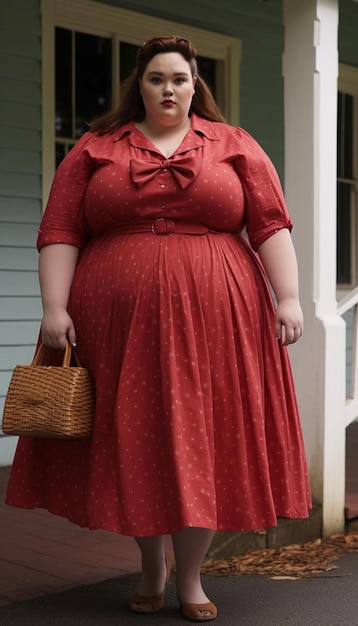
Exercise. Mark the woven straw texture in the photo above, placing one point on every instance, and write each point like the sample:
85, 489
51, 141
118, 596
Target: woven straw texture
52, 402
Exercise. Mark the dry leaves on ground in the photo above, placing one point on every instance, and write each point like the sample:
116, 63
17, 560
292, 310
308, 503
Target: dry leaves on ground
288, 562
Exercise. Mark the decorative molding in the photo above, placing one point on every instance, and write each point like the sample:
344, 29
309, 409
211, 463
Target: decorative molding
134, 27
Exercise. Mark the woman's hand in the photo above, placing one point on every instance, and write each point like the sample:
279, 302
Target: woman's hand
56, 327
289, 321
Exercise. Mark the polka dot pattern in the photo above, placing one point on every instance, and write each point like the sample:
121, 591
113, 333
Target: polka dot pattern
196, 415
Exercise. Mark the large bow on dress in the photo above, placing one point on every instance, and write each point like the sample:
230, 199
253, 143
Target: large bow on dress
184, 170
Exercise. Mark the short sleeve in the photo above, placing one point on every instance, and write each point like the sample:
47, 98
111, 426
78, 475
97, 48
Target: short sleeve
63, 220
265, 206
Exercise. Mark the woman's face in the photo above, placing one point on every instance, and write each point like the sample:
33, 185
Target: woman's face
167, 88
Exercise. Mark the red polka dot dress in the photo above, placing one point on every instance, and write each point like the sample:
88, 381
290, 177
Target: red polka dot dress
196, 416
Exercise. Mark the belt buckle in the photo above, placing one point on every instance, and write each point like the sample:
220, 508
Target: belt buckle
166, 230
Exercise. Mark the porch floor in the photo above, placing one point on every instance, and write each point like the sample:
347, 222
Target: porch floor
41, 553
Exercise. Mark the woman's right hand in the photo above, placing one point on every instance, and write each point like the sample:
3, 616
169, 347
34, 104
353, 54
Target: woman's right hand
56, 327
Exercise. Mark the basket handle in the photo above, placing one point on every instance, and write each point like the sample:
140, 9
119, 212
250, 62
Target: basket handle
40, 353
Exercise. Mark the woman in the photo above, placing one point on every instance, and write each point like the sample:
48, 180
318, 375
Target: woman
144, 267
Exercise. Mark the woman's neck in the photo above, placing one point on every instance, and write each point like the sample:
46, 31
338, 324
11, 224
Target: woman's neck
166, 138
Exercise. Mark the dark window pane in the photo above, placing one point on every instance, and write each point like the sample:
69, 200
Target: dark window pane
345, 136
60, 153
93, 79
63, 83
62, 149
344, 229
128, 53
207, 70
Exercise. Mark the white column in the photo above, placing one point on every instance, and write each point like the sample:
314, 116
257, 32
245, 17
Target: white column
310, 68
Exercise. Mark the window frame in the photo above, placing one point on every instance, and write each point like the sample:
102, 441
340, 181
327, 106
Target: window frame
348, 84
92, 17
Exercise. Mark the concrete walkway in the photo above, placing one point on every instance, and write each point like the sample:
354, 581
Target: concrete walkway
330, 600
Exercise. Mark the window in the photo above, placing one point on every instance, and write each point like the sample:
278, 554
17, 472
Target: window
88, 48
347, 184
83, 81
82, 84
346, 214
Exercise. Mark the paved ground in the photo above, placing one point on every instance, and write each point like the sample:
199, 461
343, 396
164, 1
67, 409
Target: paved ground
331, 600
52, 572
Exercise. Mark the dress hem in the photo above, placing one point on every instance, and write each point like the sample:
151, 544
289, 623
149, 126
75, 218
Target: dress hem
215, 528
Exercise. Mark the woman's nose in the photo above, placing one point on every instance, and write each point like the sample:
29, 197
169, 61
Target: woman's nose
168, 89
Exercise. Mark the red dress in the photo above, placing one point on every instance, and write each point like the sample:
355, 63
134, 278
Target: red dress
196, 415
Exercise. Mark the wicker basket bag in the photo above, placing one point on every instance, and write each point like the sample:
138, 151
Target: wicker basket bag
50, 401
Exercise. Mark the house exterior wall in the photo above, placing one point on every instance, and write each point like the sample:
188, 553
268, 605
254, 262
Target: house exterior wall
258, 25
20, 185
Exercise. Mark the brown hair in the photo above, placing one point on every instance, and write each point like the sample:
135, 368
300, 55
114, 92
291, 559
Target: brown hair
131, 105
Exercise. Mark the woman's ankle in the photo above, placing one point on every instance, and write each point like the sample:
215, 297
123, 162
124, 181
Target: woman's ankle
190, 590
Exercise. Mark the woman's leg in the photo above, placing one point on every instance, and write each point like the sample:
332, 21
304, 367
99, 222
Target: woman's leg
154, 571
190, 546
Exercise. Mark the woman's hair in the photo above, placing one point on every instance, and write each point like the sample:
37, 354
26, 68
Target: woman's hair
131, 105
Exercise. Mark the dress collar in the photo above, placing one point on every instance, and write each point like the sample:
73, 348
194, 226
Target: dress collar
200, 126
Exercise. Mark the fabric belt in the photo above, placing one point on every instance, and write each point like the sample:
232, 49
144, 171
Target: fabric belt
164, 226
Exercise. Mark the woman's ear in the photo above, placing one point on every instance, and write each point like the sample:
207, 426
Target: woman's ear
195, 78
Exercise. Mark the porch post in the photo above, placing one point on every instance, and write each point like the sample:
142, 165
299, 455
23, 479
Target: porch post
310, 69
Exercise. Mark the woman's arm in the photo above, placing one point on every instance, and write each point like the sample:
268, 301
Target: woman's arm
279, 260
57, 266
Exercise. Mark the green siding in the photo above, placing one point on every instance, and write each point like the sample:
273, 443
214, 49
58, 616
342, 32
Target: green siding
24, 184
15, 90
20, 182
20, 43
19, 258
13, 307
28, 161
16, 210
21, 138
20, 115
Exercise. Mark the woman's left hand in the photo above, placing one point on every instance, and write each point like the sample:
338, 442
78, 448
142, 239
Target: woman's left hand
289, 321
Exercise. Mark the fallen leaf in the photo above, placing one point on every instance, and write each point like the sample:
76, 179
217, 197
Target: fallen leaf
284, 578
291, 562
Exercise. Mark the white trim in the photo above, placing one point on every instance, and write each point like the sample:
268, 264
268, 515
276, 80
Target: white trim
318, 360
133, 27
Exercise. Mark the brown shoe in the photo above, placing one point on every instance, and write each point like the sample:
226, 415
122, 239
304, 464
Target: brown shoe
199, 612
151, 604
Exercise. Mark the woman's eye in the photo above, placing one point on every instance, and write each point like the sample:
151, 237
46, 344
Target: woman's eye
155, 80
